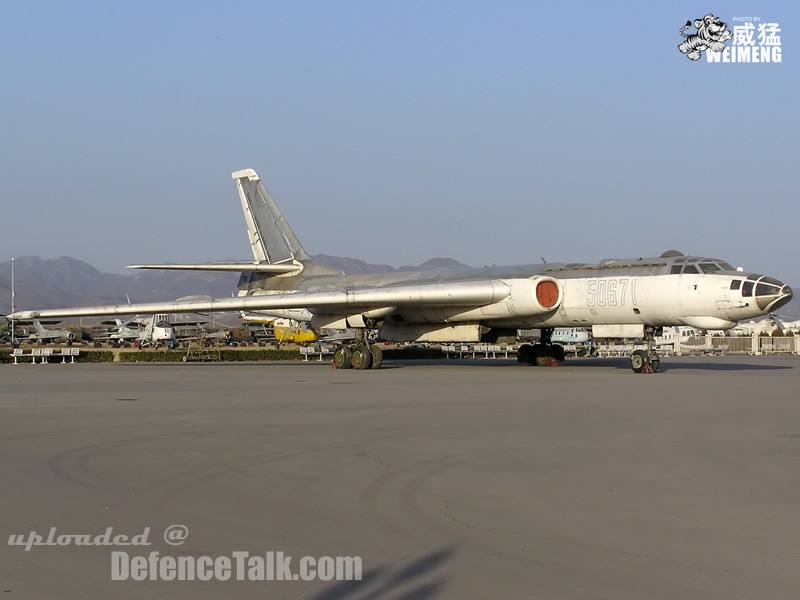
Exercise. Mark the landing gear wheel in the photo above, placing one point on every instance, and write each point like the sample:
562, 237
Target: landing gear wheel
377, 357
640, 360
342, 358
544, 355
647, 361
559, 354
361, 358
525, 355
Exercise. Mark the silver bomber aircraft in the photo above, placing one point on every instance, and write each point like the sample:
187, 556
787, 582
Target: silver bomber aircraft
630, 298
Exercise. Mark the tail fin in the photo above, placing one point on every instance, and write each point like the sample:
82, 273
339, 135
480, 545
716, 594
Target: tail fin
276, 249
271, 238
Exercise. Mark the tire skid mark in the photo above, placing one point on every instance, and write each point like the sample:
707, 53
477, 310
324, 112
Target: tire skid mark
411, 480
189, 479
73, 465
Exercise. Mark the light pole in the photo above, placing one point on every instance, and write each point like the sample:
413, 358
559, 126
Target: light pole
13, 293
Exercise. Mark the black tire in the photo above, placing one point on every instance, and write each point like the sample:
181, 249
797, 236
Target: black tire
559, 354
343, 357
377, 356
639, 360
525, 354
655, 363
362, 357
544, 355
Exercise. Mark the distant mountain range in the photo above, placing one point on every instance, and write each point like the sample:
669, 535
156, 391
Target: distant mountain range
353, 266
63, 282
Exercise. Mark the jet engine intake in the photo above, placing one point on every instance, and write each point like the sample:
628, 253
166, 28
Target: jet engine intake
534, 296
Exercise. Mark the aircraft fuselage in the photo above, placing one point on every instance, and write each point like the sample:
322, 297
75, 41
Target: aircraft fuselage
652, 291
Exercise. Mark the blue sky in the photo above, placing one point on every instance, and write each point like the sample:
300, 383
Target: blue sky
393, 132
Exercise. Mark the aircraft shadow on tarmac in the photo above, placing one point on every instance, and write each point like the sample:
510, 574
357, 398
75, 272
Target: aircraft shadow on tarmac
697, 364
708, 366
403, 584
623, 363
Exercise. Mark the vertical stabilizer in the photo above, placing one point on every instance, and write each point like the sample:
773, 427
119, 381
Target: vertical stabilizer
271, 239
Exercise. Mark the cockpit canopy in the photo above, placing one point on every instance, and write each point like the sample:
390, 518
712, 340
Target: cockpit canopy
763, 286
689, 264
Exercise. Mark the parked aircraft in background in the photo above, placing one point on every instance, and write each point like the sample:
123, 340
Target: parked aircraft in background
632, 298
155, 330
124, 331
570, 335
792, 326
674, 337
560, 335
43, 335
766, 326
159, 330
284, 330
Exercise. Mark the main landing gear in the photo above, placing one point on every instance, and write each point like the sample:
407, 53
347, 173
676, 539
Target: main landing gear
360, 356
646, 361
543, 354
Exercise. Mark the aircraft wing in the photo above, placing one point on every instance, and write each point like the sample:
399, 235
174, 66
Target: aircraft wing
350, 300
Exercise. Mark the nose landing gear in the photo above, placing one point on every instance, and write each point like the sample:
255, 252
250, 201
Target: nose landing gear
647, 361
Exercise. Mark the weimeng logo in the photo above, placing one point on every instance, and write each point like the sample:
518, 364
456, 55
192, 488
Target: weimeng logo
753, 40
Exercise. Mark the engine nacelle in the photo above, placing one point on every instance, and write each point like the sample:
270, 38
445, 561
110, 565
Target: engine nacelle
520, 298
528, 297
534, 296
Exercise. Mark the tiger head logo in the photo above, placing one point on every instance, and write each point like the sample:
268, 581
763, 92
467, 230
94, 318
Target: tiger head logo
711, 35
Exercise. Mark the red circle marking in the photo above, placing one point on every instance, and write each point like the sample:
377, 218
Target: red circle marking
547, 293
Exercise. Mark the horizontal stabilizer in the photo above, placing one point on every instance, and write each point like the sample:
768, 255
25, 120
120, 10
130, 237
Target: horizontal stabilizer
233, 266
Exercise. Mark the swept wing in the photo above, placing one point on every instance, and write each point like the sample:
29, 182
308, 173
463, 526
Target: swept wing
464, 294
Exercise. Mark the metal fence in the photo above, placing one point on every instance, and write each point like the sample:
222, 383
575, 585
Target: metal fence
709, 344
